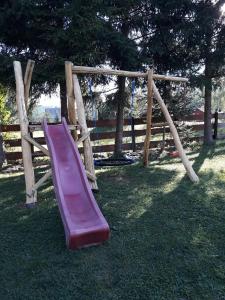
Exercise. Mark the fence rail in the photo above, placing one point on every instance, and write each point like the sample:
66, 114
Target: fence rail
102, 131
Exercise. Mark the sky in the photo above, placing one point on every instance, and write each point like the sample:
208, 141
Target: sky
52, 101
223, 8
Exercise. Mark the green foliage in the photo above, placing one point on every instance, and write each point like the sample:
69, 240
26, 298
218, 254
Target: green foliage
4, 110
179, 37
183, 101
218, 99
49, 32
186, 135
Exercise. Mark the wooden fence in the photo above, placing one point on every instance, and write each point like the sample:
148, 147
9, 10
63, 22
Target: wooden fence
134, 133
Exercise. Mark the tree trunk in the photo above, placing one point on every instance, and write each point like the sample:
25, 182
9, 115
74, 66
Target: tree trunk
208, 138
119, 117
63, 99
2, 153
121, 81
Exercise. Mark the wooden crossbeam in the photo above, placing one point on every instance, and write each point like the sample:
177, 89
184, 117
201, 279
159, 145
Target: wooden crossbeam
105, 71
39, 127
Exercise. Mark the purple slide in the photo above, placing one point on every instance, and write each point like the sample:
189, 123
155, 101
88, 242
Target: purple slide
83, 221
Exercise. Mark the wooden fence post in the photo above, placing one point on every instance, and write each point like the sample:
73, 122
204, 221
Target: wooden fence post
31, 195
215, 125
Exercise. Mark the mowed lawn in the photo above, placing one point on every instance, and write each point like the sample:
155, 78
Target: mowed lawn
167, 236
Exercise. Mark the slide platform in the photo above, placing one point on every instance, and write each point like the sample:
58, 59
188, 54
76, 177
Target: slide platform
82, 219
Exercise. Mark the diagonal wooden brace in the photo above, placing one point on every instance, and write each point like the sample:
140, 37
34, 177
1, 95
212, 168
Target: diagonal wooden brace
36, 144
83, 138
90, 176
42, 180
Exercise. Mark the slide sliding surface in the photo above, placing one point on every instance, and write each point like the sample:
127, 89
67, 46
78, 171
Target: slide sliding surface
83, 221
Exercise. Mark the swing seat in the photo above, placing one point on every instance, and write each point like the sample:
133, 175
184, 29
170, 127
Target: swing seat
113, 162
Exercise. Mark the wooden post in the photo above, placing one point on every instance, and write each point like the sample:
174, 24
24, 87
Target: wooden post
215, 125
88, 155
31, 195
70, 97
27, 81
149, 119
191, 173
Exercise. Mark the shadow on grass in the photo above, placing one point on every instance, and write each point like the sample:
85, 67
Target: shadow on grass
205, 152
198, 157
167, 240
178, 232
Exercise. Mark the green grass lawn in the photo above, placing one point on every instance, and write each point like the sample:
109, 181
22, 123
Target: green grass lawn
167, 236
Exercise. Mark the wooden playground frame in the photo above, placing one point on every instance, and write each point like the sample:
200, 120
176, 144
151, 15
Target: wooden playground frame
77, 119
152, 90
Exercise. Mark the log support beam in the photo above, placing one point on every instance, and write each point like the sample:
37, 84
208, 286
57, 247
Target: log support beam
104, 71
27, 81
148, 118
70, 97
22, 98
88, 154
31, 196
191, 173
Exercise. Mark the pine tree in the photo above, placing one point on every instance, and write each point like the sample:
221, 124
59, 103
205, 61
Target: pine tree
185, 37
123, 21
49, 32
4, 118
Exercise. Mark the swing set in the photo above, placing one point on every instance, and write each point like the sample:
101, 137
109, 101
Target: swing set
76, 115
73, 178
152, 90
